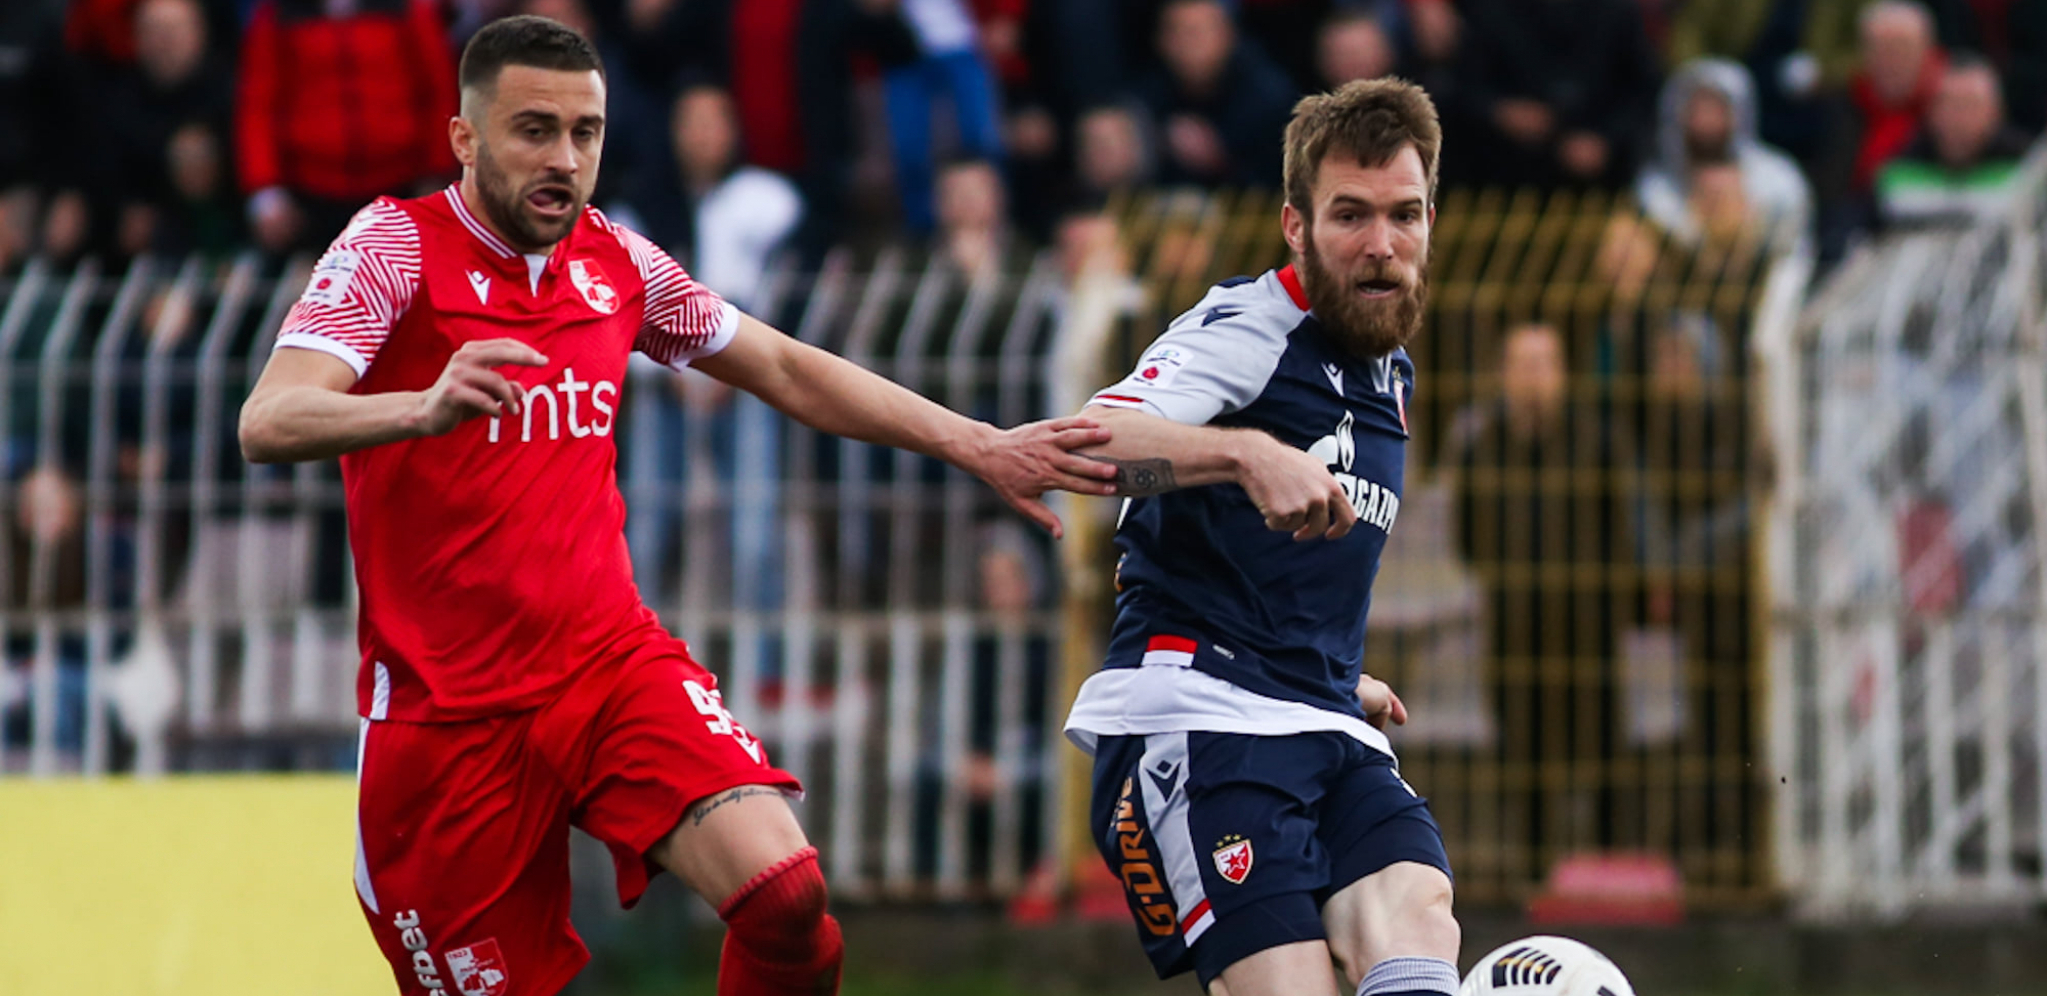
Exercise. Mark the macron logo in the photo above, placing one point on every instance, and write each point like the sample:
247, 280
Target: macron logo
1335, 375
481, 284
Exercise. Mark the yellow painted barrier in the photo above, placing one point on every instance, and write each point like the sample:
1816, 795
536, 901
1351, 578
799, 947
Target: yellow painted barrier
183, 887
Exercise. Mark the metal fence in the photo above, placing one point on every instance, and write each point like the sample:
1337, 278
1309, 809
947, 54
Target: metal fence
1566, 603
1908, 637
874, 614
1568, 615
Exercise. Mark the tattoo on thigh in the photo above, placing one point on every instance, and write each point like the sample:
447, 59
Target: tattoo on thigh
1138, 478
703, 808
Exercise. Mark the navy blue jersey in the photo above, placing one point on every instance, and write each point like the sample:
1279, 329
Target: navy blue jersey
1223, 625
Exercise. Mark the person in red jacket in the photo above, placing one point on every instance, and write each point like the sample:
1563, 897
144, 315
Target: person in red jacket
1901, 68
339, 102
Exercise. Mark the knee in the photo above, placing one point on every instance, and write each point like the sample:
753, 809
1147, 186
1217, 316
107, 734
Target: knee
779, 912
1401, 912
1430, 922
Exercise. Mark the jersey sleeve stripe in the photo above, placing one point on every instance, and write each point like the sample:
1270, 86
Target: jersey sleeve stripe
684, 320
361, 287
325, 344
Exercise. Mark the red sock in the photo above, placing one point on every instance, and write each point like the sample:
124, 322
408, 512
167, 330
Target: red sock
779, 940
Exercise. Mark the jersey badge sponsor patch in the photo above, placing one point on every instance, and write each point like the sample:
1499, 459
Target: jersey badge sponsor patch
479, 969
481, 285
596, 289
1159, 367
329, 283
1233, 859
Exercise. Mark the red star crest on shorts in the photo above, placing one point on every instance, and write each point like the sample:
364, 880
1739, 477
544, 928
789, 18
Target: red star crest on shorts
1233, 859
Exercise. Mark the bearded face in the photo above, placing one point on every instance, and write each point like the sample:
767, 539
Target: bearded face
531, 143
1372, 306
517, 210
1362, 250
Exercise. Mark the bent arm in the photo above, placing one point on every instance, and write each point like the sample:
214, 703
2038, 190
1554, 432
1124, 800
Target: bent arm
300, 409
1153, 455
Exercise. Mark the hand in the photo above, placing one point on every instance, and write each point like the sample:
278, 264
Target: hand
276, 221
1036, 457
1380, 703
469, 387
1583, 154
1525, 121
1296, 493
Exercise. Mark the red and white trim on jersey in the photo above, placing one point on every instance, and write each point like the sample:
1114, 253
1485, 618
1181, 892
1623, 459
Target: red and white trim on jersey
1168, 815
684, 321
476, 228
1163, 696
1173, 651
1116, 401
360, 288
1292, 282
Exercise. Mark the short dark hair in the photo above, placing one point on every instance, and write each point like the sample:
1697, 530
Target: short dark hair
525, 40
1367, 120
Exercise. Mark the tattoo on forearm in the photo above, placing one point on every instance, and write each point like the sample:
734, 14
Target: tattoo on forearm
1137, 478
703, 809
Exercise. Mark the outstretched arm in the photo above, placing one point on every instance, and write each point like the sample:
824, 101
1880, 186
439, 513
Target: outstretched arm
829, 393
1153, 455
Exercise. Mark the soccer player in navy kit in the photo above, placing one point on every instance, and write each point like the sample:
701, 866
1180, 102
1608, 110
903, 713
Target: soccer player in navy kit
1243, 788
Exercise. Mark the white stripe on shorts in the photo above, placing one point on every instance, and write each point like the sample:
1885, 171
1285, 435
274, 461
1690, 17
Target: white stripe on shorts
362, 861
1165, 760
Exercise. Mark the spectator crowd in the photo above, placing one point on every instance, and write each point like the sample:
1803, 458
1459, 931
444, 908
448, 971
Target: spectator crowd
179, 126
1598, 470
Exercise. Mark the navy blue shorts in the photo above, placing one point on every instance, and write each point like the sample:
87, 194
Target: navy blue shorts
1228, 844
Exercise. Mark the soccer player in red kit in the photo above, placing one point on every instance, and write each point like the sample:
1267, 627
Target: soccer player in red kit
462, 353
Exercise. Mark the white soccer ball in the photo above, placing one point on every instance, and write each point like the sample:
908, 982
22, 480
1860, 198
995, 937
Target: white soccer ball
1545, 966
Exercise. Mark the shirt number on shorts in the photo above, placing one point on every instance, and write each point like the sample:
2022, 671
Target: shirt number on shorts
711, 703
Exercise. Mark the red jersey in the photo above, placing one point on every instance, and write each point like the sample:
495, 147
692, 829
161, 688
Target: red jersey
491, 560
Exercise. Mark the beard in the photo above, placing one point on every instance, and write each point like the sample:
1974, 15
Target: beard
507, 207
1367, 328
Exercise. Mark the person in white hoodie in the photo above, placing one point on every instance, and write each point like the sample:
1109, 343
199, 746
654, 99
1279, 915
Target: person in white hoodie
1707, 118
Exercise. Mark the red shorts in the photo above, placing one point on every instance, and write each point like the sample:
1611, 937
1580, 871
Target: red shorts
462, 861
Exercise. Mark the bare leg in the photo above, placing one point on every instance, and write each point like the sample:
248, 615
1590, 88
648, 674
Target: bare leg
1298, 969
725, 840
743, 850
1400, 911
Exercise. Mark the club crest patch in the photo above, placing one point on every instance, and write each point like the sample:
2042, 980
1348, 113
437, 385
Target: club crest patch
479, 969
1233, 859
596, 289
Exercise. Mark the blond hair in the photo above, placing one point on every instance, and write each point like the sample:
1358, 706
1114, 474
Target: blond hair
1367, 120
